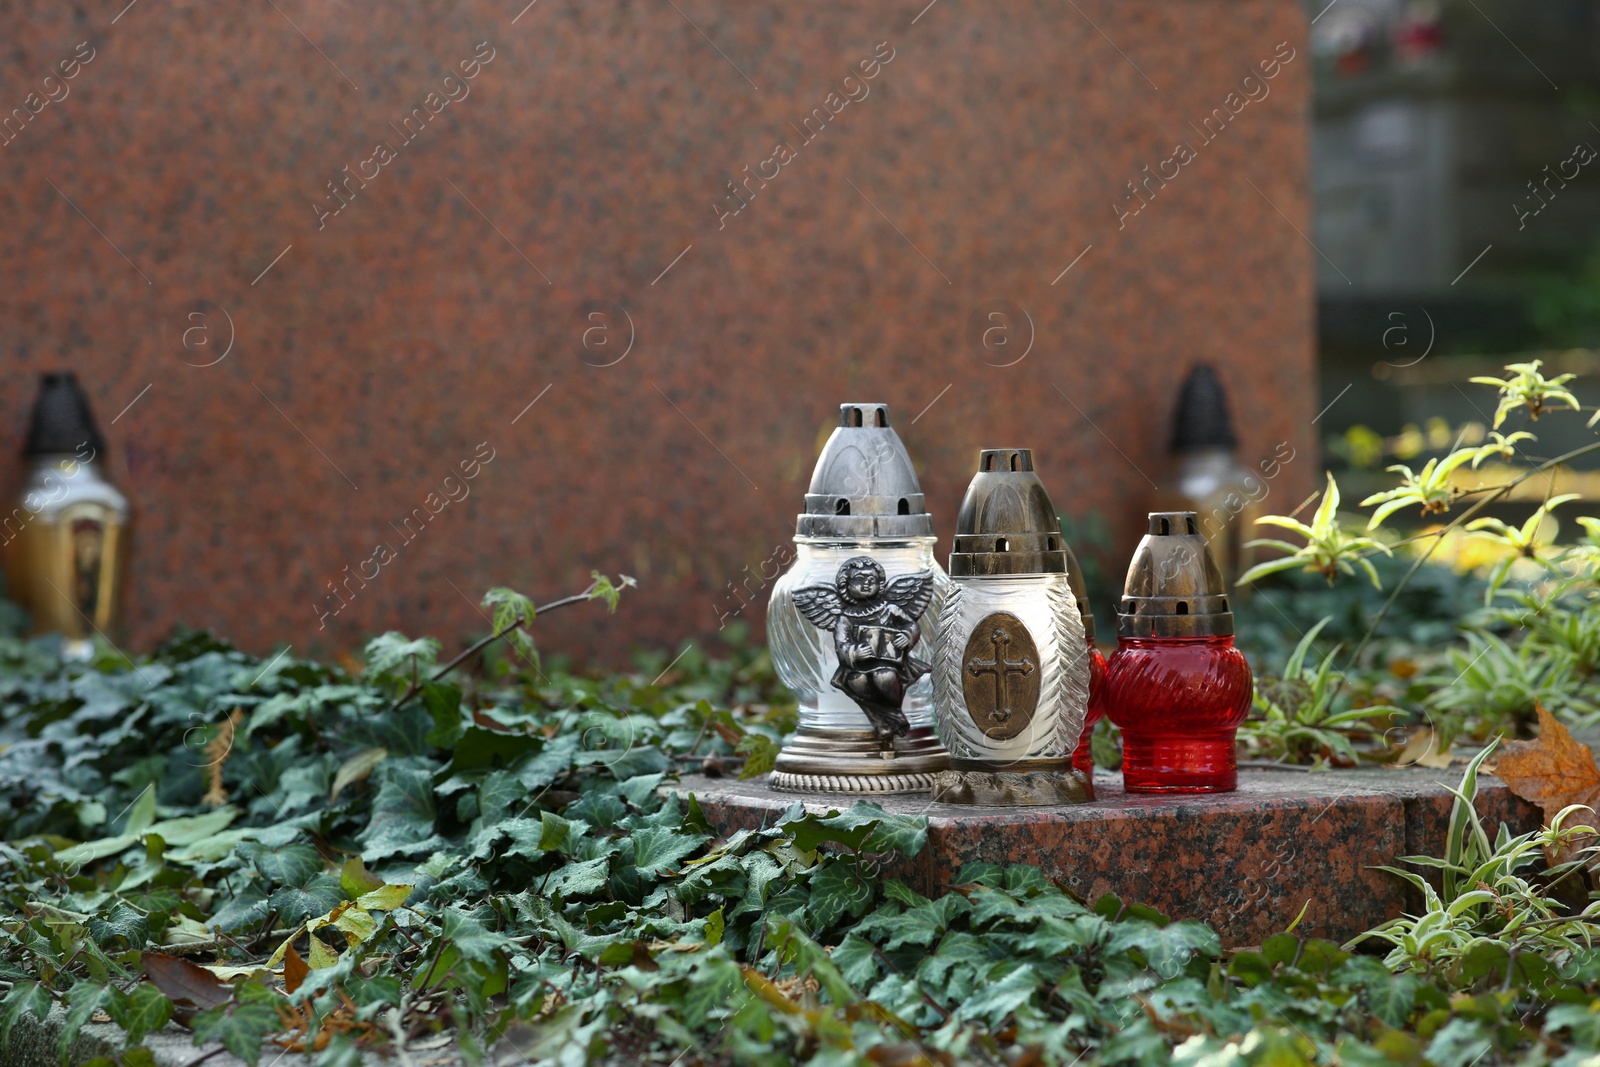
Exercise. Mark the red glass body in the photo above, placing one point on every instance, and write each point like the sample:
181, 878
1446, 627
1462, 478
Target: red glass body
1081, 758
1179, 701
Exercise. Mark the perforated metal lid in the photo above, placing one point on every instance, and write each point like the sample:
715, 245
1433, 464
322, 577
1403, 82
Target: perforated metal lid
864, 486
1174, 587
1007, 524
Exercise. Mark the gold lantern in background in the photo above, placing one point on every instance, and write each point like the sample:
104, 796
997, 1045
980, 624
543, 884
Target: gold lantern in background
65, 534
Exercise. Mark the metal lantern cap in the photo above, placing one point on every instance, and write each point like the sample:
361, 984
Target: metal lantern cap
62, 423
1007, 524
864, 486
1174, 587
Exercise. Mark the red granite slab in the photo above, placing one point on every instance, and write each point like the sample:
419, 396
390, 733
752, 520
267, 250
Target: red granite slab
1245, 862
185, 171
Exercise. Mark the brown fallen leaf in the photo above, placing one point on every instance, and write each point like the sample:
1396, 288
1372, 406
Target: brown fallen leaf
1422, 749
1553, 771
295, 970
190, 987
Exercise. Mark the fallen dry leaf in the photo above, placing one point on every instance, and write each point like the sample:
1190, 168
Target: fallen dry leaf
1552, 771
189, 986
295, 970
1422, 749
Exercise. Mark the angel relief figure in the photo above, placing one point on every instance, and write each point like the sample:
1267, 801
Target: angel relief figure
874, 624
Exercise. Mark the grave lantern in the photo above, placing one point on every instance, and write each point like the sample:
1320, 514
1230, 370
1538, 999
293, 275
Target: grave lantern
850, 624
65, 537
1082, 758
1209, 478
1176, 685
1011, 664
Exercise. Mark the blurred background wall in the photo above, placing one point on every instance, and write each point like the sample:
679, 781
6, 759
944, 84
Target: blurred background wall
302, 291
1457, 201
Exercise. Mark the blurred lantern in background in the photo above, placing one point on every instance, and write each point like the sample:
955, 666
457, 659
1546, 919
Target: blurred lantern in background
65, 536
1209, 480
850, 625
1176, 685
1011, 663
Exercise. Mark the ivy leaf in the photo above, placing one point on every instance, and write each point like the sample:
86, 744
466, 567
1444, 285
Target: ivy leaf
1165, 948
579, 879
857, 961
241, 1026
836, 889
442, 700
468, 935
395, 653
356, 769
402, 812
143, 1011
83, 1001
25, 998
384, 898
552, 763
508, 607
865, 827
355, 879
122, 922
293, 864
921, 925
993, 1001
317, 897
657, 848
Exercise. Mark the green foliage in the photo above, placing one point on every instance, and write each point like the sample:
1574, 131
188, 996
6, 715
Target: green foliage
498, 864
1330, 550
1525, 387
1487, 918
1305, 715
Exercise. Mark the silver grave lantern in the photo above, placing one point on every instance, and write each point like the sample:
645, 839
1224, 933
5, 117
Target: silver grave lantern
1011, 662
850, 625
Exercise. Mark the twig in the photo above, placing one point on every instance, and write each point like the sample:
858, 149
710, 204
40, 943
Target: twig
477, 646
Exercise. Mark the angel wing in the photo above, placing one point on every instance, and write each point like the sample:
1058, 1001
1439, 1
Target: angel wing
911, 592
820, 604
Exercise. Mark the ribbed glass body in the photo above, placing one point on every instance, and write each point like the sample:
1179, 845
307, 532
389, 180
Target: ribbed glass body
803, 654
1179, 701
1082, 759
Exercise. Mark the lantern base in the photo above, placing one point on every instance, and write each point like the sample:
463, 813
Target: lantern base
820, 760
1000, 788
1178, 765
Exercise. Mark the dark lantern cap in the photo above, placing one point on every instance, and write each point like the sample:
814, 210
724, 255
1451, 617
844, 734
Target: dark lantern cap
1007, 524
62, 422
864, 486
1201, 419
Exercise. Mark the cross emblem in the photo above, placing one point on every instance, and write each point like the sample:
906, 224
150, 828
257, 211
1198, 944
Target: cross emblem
1002, 669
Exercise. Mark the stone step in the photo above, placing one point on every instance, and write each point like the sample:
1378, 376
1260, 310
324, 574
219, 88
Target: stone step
1244, 862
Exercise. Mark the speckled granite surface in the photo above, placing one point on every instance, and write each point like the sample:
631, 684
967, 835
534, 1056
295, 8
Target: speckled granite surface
185, 169
1245, 862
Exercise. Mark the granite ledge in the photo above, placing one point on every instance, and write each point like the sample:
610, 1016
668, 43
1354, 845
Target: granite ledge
1245, 862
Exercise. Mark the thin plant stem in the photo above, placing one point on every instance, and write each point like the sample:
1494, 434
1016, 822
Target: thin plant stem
477, 646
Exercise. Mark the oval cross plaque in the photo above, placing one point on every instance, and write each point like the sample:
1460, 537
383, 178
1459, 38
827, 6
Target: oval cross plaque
1000, 676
